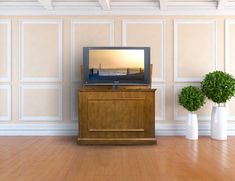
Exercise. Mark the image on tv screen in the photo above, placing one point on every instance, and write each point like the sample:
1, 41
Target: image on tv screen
116, 64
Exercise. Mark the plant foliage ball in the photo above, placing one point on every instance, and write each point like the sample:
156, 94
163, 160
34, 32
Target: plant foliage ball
218, 86
191, 98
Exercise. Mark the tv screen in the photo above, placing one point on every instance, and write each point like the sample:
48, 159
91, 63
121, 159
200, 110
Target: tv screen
120, 65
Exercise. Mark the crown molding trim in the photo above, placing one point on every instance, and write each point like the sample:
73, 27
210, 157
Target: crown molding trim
127, 11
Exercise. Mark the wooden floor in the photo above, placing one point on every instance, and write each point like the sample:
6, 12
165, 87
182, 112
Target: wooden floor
60, 158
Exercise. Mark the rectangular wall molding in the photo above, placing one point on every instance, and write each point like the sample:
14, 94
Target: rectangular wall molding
59, 24
162, 88
178, 22
24, 117
125, 24
227, 24
74, 100
7, 77
7, 116
74, 23
227, 47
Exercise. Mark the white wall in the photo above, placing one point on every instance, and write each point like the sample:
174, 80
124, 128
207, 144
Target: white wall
40, 58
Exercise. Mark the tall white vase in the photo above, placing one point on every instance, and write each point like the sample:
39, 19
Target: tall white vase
219, 123
192, 127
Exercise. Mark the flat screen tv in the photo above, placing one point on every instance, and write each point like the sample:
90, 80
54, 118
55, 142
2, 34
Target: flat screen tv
116, 65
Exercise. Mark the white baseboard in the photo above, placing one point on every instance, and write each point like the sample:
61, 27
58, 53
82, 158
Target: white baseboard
70, 129
168, 129
34, 129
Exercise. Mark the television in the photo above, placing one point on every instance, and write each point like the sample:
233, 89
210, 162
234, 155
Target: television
116, 65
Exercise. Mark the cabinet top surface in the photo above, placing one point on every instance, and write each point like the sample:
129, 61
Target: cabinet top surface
121, 89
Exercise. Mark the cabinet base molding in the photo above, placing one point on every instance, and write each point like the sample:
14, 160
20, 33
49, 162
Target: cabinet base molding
116, 141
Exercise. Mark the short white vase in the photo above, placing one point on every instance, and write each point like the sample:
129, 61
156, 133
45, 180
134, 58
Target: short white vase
192, 127
219, 123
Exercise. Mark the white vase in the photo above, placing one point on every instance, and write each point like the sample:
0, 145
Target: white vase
219, 123
192, 127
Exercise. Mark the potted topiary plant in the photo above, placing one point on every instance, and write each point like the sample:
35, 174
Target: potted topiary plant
191, 98
219, 87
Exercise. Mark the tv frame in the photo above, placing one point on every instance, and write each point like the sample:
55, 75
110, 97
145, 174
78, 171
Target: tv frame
87, 81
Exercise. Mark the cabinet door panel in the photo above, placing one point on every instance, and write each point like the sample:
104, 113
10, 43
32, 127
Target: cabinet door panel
122, 114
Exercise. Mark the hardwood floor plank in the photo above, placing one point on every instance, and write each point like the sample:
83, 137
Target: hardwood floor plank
60, 158
11, 147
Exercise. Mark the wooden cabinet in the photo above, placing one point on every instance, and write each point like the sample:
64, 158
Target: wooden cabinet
119, 116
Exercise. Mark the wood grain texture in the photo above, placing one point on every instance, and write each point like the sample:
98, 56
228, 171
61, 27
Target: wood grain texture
61, 159
117, 116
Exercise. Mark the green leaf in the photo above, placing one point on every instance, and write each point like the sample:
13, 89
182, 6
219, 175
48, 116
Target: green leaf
218, 86
191, 98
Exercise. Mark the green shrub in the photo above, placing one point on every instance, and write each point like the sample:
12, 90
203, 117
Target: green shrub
191, 98
218, 86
